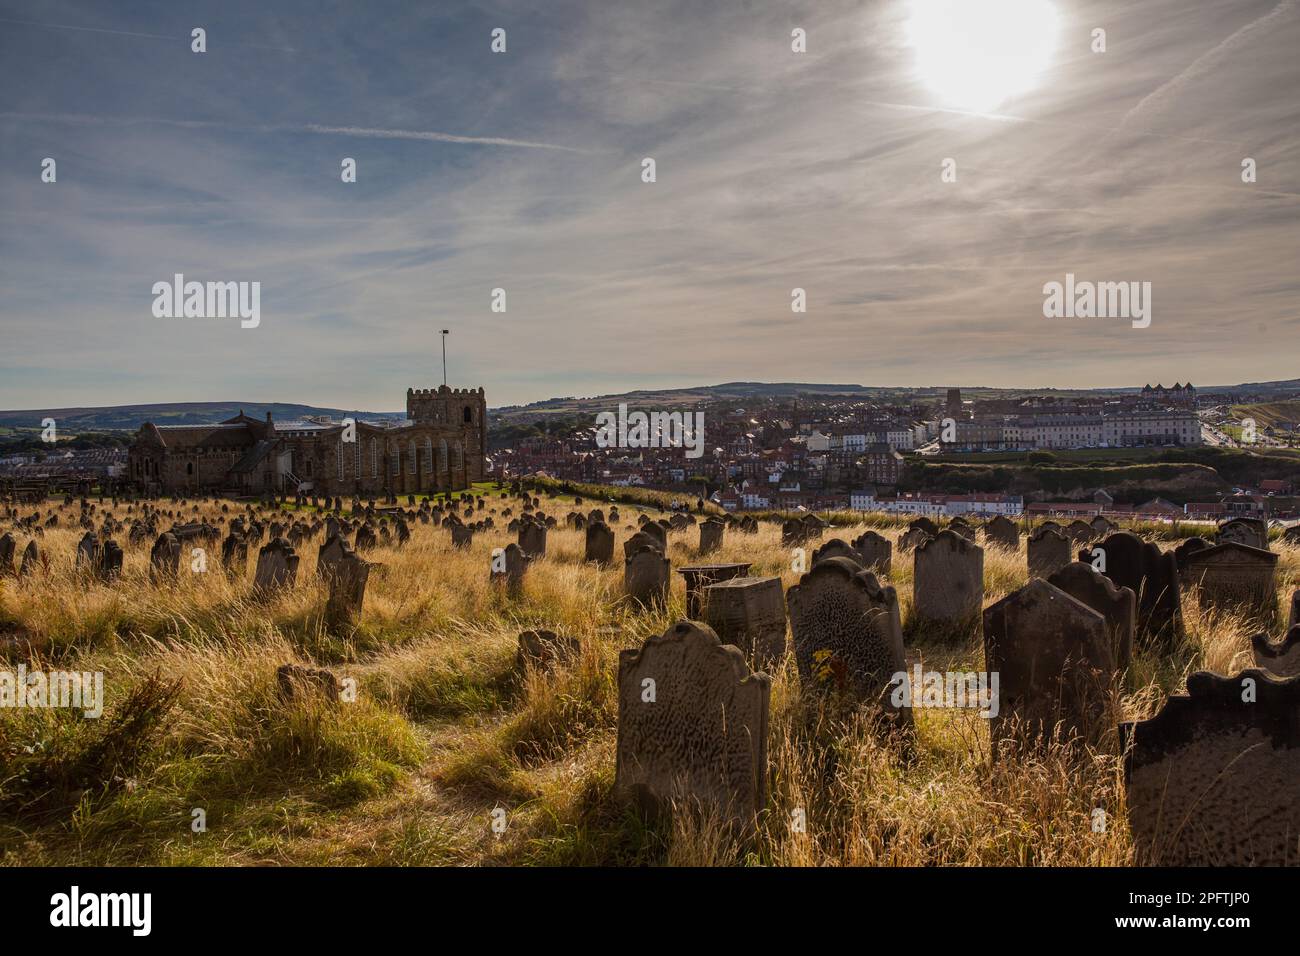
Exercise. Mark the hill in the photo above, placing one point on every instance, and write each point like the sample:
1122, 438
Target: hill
131, 417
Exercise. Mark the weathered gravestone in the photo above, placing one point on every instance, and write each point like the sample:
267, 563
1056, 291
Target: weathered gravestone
1152, 575
277, 566
1235, 577
948, 583
1002, 532
1282, 658
875, 551
509, 565
848, 635
837, 548
1055, 665
1252, 532
639, 541
962, 527
165, 557
656, 531
692, 727
1049, 551
700, 576
913, 538
295, 682
750, 614
711, 533
600, 543
1214, 779
646, 577
1118, 606
1184, 551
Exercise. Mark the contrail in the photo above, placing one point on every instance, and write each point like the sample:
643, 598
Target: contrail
317, 128
1209, 59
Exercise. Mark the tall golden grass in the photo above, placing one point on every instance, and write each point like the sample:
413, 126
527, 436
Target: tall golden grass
445, 729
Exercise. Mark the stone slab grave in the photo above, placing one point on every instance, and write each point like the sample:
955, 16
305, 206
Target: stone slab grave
875, 550
277, 566
1048, 551
1117, 605
599, 543
1152, 575
947, 582
1002, 532
646, 577
847, 634
692, 727
1055, 665
1214, 779
1234, 577
1252, 532
700, 576
750, 614
1282, 658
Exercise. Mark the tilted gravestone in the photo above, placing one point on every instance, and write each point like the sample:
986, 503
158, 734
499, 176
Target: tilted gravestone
711, 535
658, 532
277, 566
1234, 577
876, 551
646, 577
1211, 780
692, 726
948, 583
1002, 532
600, 543
847, 634
1117, 605
1048, 552
749, 613
639, 541
1282, 658
1152, 575
1252, 532
1055, 665
331, 553
701, 576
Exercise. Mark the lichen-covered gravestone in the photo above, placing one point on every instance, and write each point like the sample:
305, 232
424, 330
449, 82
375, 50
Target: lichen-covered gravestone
750, 614
1117, 605
1049, 551
847, 633
1214, 778
1055, 665
692, 726
948, 583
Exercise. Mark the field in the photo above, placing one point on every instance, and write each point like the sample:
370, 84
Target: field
445, 729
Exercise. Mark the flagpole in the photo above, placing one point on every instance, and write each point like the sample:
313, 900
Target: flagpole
444, 355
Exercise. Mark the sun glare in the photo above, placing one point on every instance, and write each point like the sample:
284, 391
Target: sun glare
975, 54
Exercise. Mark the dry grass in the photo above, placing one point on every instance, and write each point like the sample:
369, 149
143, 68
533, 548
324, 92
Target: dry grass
445, 730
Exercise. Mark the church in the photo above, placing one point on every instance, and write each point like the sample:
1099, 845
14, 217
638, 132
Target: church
441, 446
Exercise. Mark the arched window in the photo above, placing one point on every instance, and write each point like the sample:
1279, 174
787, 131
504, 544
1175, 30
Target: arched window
396, 458
428, 453
410, 457
442, 455
468, 416
457, 457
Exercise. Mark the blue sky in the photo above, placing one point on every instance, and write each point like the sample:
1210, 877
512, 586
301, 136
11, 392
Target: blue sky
522, 171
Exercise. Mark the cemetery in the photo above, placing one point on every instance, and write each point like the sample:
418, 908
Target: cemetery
378, 680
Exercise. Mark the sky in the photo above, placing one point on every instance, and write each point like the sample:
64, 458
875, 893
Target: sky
774, 170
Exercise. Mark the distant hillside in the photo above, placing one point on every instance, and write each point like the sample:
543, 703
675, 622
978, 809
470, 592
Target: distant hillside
130, 417
1269, 414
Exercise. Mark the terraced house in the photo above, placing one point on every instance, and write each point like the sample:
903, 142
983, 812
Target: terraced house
439, 447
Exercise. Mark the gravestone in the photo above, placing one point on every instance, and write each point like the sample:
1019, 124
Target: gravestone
912, 538
963, 528
109, 567
700, 576
639, 541
1118, 606
656, 531
1282, 658
1049, 551
925, 524
1080, 532
1152, 575
88, 551
711, 533
509, 567
875, 551
837, 548
1002, 532
365, 539
600, 543
1187, 548
750, 614
646, 577
1235, 577
277, 566
234, 553
7, 547
948, 583
848, 634
331, 553
1294, 617
346, 576
1055, 665
1252, 532
165, 557
462, 536
692, 726
294, 682
1103, 526
31, 558
1211, 780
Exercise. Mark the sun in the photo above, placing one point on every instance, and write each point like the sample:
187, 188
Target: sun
976, 54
